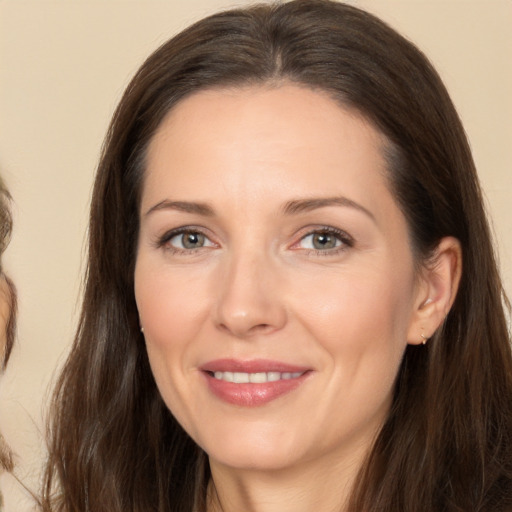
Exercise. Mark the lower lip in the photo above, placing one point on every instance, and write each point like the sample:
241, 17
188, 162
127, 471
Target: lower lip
252, 395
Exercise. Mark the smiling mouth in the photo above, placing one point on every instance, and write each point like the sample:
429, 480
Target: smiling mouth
254, 378
252, 383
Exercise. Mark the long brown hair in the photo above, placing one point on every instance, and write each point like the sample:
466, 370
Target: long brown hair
447, 444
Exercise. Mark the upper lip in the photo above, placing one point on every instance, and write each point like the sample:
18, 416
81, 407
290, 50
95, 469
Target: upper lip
251, 366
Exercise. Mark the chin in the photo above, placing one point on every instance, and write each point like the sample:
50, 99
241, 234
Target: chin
263, 451
251, 459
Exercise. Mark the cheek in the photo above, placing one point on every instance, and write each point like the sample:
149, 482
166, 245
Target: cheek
157, 301
169, 304
172, 306
167, 314
361, 322
360, 318
363, 301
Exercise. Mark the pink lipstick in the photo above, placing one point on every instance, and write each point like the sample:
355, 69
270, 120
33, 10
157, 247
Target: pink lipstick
252, 383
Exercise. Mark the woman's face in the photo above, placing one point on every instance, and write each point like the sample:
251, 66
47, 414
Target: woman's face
274, 278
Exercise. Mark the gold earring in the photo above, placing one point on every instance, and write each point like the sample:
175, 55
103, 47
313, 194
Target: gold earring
424, 339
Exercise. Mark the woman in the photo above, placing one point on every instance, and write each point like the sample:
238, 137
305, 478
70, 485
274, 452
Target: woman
292, 299
7, 313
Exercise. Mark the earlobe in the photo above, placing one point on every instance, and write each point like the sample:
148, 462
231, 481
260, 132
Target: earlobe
439, 282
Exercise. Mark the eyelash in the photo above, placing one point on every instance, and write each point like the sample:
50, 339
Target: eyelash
346, 240
163, 241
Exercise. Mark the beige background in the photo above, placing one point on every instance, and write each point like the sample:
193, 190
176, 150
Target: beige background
63, 66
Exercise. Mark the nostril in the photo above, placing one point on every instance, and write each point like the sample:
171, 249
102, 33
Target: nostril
262, 327
244, 330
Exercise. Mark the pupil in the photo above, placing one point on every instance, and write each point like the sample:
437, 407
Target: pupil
193, 240
323, 241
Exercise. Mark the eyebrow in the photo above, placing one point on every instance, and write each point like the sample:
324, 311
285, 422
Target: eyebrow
293, 207
183, 206
308, 204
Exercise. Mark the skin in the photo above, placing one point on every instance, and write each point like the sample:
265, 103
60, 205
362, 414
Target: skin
258, 288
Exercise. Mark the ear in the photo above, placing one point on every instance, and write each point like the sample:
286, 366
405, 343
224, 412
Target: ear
437, 287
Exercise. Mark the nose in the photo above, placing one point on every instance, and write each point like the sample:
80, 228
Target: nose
250, 300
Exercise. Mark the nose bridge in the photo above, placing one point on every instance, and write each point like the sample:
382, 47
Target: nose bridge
250, 299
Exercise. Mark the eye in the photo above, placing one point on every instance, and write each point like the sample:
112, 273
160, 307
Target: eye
325, 240
186, 240
320, 241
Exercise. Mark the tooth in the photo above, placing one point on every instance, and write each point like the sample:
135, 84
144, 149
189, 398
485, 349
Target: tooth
257, 378
240, 378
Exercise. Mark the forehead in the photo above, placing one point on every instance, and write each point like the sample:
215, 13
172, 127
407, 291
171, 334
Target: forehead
256, 129
268, 108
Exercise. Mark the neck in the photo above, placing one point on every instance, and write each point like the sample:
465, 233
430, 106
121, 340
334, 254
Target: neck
320, 487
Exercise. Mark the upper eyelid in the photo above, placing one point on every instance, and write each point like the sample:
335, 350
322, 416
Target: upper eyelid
340, 233
184, 229
166, 236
